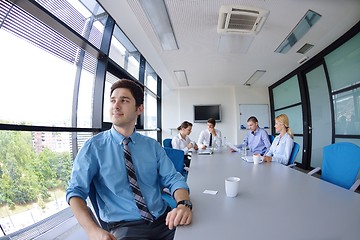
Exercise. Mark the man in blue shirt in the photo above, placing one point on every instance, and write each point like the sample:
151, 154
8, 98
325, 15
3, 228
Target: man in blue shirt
101, 161
257, 139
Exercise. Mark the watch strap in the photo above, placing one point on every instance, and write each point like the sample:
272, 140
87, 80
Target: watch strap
187, 203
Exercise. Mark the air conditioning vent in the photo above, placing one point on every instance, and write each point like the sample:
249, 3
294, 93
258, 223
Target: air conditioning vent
235, 19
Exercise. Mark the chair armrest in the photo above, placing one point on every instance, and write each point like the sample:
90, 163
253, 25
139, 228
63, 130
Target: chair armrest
292, 165
355, 185
314, 171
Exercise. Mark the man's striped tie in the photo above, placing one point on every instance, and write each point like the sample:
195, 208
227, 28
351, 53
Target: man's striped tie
139, 199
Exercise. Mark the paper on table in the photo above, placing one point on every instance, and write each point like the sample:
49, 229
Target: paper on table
233, 147
212, 192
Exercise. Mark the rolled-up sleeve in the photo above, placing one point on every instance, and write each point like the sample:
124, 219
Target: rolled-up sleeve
82, 173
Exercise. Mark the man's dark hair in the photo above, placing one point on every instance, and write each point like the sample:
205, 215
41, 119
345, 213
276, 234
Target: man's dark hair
135, 89
212, 120
252, 119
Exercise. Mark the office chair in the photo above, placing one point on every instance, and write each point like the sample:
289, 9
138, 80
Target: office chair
177, 158
271, 138
340, 165
92, 197
167, 142
293, 155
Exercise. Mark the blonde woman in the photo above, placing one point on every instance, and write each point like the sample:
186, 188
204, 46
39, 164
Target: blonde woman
282, 145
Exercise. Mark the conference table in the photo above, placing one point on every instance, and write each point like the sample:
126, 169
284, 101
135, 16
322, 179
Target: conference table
274, 202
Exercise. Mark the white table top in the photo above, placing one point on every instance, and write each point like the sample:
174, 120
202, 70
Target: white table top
275, 202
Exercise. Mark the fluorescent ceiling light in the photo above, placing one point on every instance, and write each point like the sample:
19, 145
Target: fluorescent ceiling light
303, 26
159, 18
181, 78
257, 74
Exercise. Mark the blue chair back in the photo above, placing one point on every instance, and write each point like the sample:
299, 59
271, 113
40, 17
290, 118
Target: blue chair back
92, 197
167, 142
271, 138
294, 153
177, 158
341, 164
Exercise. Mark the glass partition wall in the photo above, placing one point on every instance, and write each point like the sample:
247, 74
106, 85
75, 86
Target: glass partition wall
322, 99
54, 91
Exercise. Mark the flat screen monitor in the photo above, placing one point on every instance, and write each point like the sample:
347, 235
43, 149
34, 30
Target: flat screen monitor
203, 112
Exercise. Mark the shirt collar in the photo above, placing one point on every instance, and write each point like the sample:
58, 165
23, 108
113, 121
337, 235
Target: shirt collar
119, 138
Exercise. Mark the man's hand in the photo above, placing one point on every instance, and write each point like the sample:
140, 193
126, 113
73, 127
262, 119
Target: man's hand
267, 159
100, 234
181, 215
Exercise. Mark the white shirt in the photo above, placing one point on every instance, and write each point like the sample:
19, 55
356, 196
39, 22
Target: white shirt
281, 148
204, 139
179, 143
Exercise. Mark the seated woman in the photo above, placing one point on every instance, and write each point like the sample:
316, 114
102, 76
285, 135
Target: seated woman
183, 142
282, 145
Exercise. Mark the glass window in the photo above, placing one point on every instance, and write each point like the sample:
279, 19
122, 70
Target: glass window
287, 93
110, 79
151, 134
352, 140
150, 78
150, 111
85, 99
124, 53
343, 64
34, 171
87, 18
295, 118
41, 83
299, 140
347, 110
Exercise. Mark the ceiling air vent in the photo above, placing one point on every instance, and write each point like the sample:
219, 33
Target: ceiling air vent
236, 19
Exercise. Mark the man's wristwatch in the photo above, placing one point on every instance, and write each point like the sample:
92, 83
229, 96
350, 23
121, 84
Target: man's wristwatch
187, 203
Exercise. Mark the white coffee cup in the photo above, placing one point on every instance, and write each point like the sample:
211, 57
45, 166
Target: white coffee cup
232, 186
256, 158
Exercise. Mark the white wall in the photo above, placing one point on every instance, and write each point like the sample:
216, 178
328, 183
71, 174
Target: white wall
177, 106
249, 95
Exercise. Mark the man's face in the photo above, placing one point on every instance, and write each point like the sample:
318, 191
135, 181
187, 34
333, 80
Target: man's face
123, 110
210, 127
252, 125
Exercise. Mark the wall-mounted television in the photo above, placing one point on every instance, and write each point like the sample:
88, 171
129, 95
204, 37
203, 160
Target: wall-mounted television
203, 112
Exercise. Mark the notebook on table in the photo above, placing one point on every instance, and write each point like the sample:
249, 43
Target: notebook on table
205, 152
